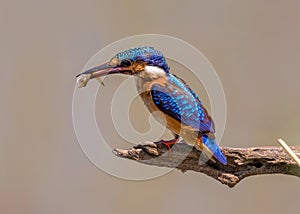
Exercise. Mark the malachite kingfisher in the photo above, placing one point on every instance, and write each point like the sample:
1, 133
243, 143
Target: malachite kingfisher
182, 111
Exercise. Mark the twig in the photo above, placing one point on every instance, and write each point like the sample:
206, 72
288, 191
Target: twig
242, 162
288, 150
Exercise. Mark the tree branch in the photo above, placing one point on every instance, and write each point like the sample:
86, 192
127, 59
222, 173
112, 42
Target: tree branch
242, 162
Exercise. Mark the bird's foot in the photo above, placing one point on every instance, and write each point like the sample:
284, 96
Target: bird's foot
169, 143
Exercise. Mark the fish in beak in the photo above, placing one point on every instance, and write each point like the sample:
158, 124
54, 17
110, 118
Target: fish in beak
97, 72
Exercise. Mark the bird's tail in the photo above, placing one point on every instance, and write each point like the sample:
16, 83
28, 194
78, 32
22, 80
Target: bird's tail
210, 144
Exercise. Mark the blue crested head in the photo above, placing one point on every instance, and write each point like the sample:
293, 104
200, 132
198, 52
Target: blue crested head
149, 55
145, 62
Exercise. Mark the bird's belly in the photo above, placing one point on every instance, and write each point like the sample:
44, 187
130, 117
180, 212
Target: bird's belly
188, 133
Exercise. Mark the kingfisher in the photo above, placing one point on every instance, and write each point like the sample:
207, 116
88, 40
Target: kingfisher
179, 107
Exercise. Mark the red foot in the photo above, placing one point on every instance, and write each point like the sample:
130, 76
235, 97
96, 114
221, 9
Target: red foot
169, 143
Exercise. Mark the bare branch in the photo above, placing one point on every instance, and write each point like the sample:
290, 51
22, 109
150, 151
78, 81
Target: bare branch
242, 162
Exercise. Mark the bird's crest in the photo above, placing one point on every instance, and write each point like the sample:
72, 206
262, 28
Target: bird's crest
146, 54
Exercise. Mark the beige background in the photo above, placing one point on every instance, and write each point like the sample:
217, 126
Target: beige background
253, 45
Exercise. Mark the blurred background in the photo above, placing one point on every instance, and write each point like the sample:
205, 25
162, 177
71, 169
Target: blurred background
253, 45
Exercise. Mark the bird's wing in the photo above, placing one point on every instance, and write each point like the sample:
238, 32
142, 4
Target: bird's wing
176, 100
198, 100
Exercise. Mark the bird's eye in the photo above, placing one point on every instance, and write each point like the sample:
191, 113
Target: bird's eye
125, 63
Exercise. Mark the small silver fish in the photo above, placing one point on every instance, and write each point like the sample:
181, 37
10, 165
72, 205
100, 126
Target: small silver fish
83, 79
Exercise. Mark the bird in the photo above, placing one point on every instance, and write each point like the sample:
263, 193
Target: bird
180, 108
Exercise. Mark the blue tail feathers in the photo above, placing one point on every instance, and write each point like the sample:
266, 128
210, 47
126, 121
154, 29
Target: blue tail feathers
214, 148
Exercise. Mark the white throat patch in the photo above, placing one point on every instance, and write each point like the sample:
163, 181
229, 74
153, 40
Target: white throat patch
155, 71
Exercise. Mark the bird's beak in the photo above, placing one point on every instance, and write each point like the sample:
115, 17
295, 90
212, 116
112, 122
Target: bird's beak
98, 71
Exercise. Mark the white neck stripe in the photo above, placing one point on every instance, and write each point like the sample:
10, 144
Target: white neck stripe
154, 70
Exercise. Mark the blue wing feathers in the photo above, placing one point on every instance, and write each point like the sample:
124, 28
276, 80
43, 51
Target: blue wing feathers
179, 101
186, 85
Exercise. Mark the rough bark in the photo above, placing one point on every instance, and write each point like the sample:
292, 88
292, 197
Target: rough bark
242, 162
